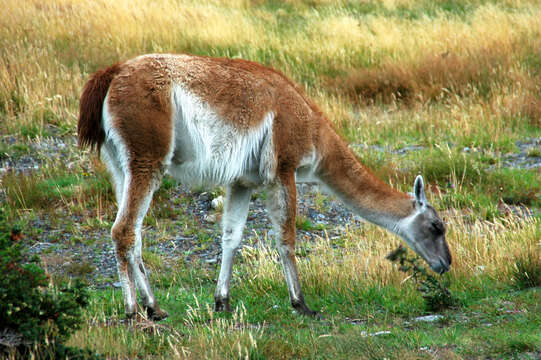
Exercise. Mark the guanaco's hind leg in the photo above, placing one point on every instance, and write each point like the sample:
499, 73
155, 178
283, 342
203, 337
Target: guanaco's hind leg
233, 221
139, 186
282, 206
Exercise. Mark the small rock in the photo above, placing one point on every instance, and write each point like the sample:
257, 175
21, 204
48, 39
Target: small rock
117, 285
217, 202
480, 268
429, 318
355, 321
211, 218
377, 333
211, 261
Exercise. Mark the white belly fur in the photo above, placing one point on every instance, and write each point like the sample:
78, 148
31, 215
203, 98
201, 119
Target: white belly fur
208, 150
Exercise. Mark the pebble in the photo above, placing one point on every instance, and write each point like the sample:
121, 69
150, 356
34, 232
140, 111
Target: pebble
480, 268
217, 203
428, 318
211, 218
378, 333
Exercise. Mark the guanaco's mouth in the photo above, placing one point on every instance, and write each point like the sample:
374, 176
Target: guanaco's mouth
440, 266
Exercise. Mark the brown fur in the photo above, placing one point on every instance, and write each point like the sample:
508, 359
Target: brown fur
123, 232
343, 172
89, 129
237, 89
242, 93
140, 104
288, 225
141, 114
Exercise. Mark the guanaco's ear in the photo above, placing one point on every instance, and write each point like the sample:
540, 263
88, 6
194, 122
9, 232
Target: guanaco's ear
419, 191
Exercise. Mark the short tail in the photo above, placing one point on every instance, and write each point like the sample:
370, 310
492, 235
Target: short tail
89, 128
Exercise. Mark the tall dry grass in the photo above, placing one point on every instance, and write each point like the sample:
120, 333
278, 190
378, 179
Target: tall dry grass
47, 49
431, 79
487, 247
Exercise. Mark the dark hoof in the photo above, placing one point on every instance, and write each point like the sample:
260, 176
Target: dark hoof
156, 314
131, 316
134, 318
301, 308
222, 305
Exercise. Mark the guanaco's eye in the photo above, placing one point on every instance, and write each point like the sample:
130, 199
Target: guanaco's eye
437, 227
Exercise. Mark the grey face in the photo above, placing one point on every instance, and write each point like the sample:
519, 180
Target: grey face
424, 232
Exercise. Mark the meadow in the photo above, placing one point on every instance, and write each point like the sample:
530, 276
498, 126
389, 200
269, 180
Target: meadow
450, 89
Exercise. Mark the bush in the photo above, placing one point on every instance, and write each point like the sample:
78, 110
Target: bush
35, 318
436, 294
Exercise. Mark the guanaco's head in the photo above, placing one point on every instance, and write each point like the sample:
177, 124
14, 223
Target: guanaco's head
424, 231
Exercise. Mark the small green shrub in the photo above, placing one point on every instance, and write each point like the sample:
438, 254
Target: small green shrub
35, 319
435, 293
303, 223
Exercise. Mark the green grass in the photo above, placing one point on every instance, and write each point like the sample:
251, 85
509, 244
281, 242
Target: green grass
51, 186
499, 322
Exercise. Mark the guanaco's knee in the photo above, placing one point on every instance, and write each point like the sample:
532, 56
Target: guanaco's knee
123, 235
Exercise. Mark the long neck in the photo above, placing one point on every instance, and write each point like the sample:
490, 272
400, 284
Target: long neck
372, 199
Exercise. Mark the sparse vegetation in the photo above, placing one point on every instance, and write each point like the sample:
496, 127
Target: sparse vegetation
534, 152
303, 223
455, 82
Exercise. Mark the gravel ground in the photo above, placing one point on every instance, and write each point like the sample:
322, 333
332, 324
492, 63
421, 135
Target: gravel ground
61, 256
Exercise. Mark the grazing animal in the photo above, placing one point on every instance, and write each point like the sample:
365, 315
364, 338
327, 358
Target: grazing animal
242, 125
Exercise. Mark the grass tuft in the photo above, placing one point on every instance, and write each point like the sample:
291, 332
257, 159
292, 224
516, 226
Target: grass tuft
526, 271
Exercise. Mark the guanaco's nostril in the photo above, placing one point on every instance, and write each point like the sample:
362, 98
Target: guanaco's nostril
442, 266
445, 265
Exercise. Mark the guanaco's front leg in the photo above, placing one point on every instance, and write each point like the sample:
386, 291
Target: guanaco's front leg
282, 206
233, 220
